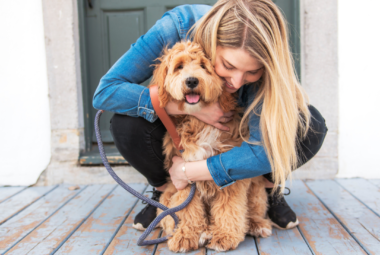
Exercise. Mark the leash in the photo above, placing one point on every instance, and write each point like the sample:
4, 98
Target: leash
164, 117
166, 211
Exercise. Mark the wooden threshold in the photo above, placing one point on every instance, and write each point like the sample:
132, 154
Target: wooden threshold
92, 157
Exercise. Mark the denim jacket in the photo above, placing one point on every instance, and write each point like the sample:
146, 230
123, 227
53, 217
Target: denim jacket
119, 91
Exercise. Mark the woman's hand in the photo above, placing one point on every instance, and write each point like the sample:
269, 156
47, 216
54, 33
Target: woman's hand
211, 114
177, 175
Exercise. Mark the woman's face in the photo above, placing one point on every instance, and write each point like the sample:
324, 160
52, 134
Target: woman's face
237, 67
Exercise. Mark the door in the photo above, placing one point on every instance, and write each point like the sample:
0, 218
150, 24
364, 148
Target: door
291, 11
109, 27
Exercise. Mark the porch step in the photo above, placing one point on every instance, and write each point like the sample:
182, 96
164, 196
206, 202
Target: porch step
92, 157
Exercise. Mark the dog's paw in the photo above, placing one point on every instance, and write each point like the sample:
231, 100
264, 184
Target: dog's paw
261, 228
205, 237
224, 242
261, 232
180, 243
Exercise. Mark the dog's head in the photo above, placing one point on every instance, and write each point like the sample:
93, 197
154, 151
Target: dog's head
186, 75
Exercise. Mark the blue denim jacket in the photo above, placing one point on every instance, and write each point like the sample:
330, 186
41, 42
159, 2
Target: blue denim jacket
119, 91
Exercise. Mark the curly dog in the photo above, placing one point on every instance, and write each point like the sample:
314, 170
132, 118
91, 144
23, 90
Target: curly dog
218, 218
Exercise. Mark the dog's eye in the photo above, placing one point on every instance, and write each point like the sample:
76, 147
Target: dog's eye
203, 66
179, 67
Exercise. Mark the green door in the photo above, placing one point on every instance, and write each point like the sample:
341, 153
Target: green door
109, 27
291, 11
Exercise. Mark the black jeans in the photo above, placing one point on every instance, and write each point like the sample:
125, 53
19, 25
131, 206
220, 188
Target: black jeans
140, 143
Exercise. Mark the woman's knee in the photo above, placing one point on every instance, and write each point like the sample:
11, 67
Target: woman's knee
318, 128
311, 144
317, 122
126, 126
137, 137
123, 126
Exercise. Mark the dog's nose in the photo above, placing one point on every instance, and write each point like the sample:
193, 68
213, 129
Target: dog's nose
192, 82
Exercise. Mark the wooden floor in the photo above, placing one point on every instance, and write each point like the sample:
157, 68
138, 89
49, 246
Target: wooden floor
336, 217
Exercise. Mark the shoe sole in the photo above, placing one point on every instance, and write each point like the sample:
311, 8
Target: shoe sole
289, 226
139, 226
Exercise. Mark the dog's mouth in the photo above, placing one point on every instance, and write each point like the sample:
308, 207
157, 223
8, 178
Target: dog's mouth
192, 98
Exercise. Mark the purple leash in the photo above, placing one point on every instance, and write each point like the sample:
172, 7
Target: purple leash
166, 211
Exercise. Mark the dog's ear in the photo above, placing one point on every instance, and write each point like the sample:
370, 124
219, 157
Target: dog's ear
159, 76
163, 96
227, 101
215, 86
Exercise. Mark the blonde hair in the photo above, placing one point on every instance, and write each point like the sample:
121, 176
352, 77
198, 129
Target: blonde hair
258, 27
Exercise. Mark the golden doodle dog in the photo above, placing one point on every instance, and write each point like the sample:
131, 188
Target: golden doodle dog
217, 217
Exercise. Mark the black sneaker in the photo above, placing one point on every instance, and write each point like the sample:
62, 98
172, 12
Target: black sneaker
281, 215
148, 213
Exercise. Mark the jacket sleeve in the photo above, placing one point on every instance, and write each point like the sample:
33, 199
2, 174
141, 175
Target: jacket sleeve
118, 90
247, 161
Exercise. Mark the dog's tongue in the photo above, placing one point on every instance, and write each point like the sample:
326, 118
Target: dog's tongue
192, 98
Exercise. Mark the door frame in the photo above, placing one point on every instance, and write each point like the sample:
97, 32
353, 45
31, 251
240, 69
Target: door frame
87, 100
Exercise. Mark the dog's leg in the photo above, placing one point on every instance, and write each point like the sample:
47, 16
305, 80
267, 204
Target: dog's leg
193, 222
257, 204
167, 223
228, 217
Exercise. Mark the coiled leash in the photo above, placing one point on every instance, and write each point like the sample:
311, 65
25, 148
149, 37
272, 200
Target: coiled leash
166, 211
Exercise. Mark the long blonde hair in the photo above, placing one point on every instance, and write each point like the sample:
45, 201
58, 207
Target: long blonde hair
258, 27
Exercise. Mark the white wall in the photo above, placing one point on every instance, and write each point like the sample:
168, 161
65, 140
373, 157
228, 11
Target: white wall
319, 70
24, 103
359, 85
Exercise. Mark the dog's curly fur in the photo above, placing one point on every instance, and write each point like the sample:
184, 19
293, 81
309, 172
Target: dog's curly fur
218, 218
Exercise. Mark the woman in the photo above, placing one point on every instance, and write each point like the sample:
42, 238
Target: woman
247, 43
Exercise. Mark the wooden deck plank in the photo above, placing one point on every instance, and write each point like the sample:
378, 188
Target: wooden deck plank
50, 234
248, 246
365, 191
20, 225
322, 231
22, 200
319, 227
358, 219
6, 192
283, 242
96, 232
125, 241
375, 182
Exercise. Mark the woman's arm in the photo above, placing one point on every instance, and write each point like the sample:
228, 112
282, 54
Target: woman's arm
211, 114
247, 161
195, 171
242, 162
118, 90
